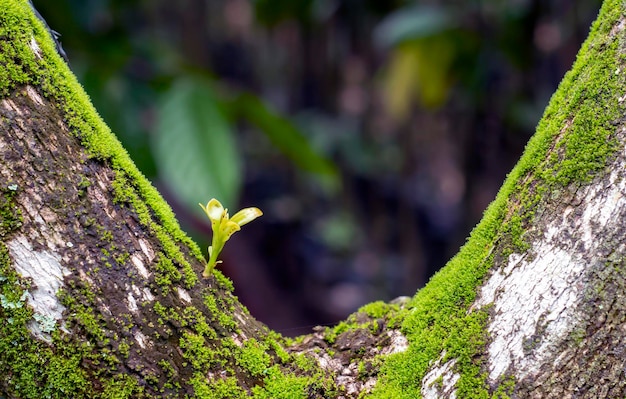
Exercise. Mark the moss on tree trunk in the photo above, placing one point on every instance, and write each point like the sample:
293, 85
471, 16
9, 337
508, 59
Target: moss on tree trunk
101, 294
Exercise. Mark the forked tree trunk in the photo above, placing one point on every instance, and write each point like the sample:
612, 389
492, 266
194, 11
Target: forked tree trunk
101, 294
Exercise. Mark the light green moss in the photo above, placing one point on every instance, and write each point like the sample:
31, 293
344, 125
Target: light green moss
36, 372
376, 312
219, 310
556, 157
378, 309
280, 386
218, 389
196, 351
274, 341
10, 215
253, 357
122, 387
166, 273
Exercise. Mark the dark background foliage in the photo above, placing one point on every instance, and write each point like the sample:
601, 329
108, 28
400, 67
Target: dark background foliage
372, 134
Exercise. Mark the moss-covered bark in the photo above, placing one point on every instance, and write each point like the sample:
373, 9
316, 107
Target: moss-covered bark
454, 324
100, 289
100, 294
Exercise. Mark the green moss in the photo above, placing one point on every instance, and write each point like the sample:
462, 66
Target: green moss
121, 258
379, 314
253, 357
166, 273
10, 215
225, 320
274, 341
124, 348
167, 368
194, 318
81, 313
218, 389
196, 352
122, 387
64, 373
572, 145
34, 370
280, 386
305, 363
378, 309
104, 234
83, 185
505, 389
28, 362
437, 319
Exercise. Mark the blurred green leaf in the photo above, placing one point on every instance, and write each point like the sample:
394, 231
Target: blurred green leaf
420, 64
195, 148
286, 137
420, 69
411, 23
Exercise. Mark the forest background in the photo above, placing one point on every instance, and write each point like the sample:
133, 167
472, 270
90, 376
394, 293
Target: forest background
372, 134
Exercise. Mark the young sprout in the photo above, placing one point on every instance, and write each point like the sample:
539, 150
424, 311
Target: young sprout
224, 227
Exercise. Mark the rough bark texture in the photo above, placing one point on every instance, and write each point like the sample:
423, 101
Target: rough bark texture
99, 287
100, 294
94, 267
558, 309
554, 291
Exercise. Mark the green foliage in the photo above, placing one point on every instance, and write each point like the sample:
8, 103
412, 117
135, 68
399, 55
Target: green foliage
424, 48
195, 148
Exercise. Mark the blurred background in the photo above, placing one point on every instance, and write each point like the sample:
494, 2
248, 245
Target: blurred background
371, 133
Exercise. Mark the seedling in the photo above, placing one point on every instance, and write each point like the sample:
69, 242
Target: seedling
223, 227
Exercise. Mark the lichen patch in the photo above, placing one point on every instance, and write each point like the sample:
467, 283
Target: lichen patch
45, 268
147, 295
146, 249
440, 381
530, 322
397, 343
141, 269
142, 340
132, 303
183, 294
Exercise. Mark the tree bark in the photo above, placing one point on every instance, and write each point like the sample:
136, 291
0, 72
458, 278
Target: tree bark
101, 294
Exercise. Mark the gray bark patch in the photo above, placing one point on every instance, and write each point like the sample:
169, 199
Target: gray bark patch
45, 270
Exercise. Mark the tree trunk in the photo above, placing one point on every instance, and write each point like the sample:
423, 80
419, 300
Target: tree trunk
101, 294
